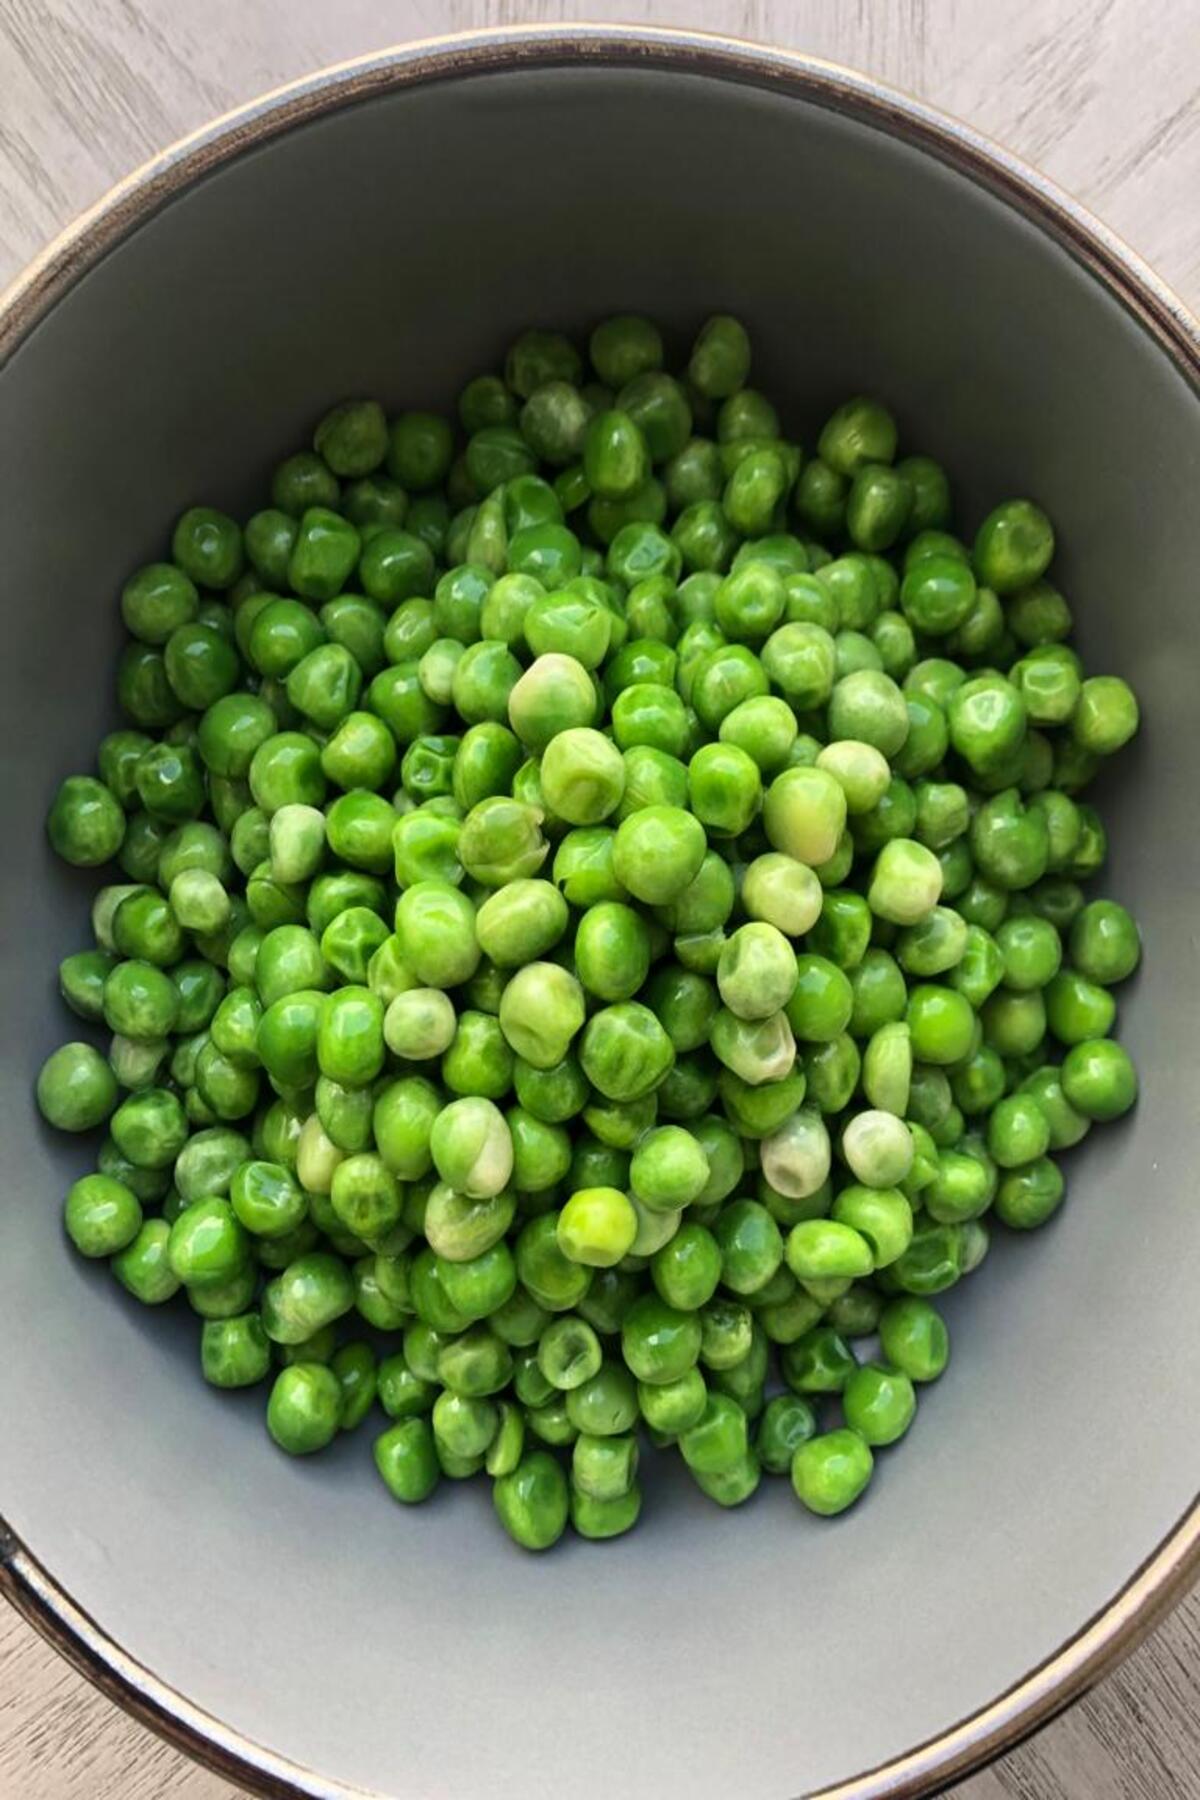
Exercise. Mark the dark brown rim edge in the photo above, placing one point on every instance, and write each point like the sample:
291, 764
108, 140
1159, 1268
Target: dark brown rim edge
1174, 1564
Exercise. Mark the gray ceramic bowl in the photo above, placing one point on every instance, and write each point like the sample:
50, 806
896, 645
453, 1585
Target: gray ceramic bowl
386, 228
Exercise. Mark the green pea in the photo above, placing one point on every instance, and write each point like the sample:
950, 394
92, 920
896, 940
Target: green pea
987, 722
879, 1404
612, 951
937, 594
657, 853
394, 566
757, 1111
143, 1268
583, 867
436, 926
861, 431
720, 358
267, 1199
658, 407
623, 347
787, 1422
303, 480
914, 1338
624, 1051
553, 421
906, 882
569, 1352
1013, 546
1078, 1009
583, 776
1031, 949
81, 981
933, 1261
935, 945
472, 1147
658, 1342
366, 1197
879, 992
463, 1427
407, 1460
142, 925
686, 1271
102, 1216
822, 1249
732, 1486
345, 1114
1027, 1197
704, 536
156, 600
980, 968
615, 455
1099, 1079
235, 1352
533, 1502
521, 921
795, 1157
419, 1024
425, 848
541, 1010
650, 713
941, 1023
508, 1442
821, 1000
478, 1060
207, 546
597, 1227
540, 356
149, 1128
751, 1246
144, 693
804, 814
403, 1392
542, 1151
718, 1441
201, 665
673, 1407
724, 787
356, 1370
878, 506
501, 841
350, 940
929, 489
756, 1050
554, 694
1105, 715
85, 825
350, 1042
1018, 1131
207, 1243
310, 1293
269, 537
475, 1364
1104, 941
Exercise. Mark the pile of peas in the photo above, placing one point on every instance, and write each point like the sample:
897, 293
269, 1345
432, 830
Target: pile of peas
598, 911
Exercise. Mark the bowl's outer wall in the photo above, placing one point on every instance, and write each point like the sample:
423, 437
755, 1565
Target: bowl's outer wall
393, 249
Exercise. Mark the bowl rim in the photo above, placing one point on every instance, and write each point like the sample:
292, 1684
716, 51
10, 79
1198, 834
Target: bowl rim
1174, 1564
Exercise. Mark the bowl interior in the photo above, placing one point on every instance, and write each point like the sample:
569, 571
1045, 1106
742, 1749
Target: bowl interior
393, 248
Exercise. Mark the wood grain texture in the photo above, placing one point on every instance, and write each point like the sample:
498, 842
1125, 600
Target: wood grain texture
1103, 95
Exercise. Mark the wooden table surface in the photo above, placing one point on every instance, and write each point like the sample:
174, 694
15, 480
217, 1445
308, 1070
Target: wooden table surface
1104, 95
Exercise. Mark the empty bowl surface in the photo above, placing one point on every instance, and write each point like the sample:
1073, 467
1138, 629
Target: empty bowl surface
391, 240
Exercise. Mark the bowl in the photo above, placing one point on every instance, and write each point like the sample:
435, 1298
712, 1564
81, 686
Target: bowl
387, 227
